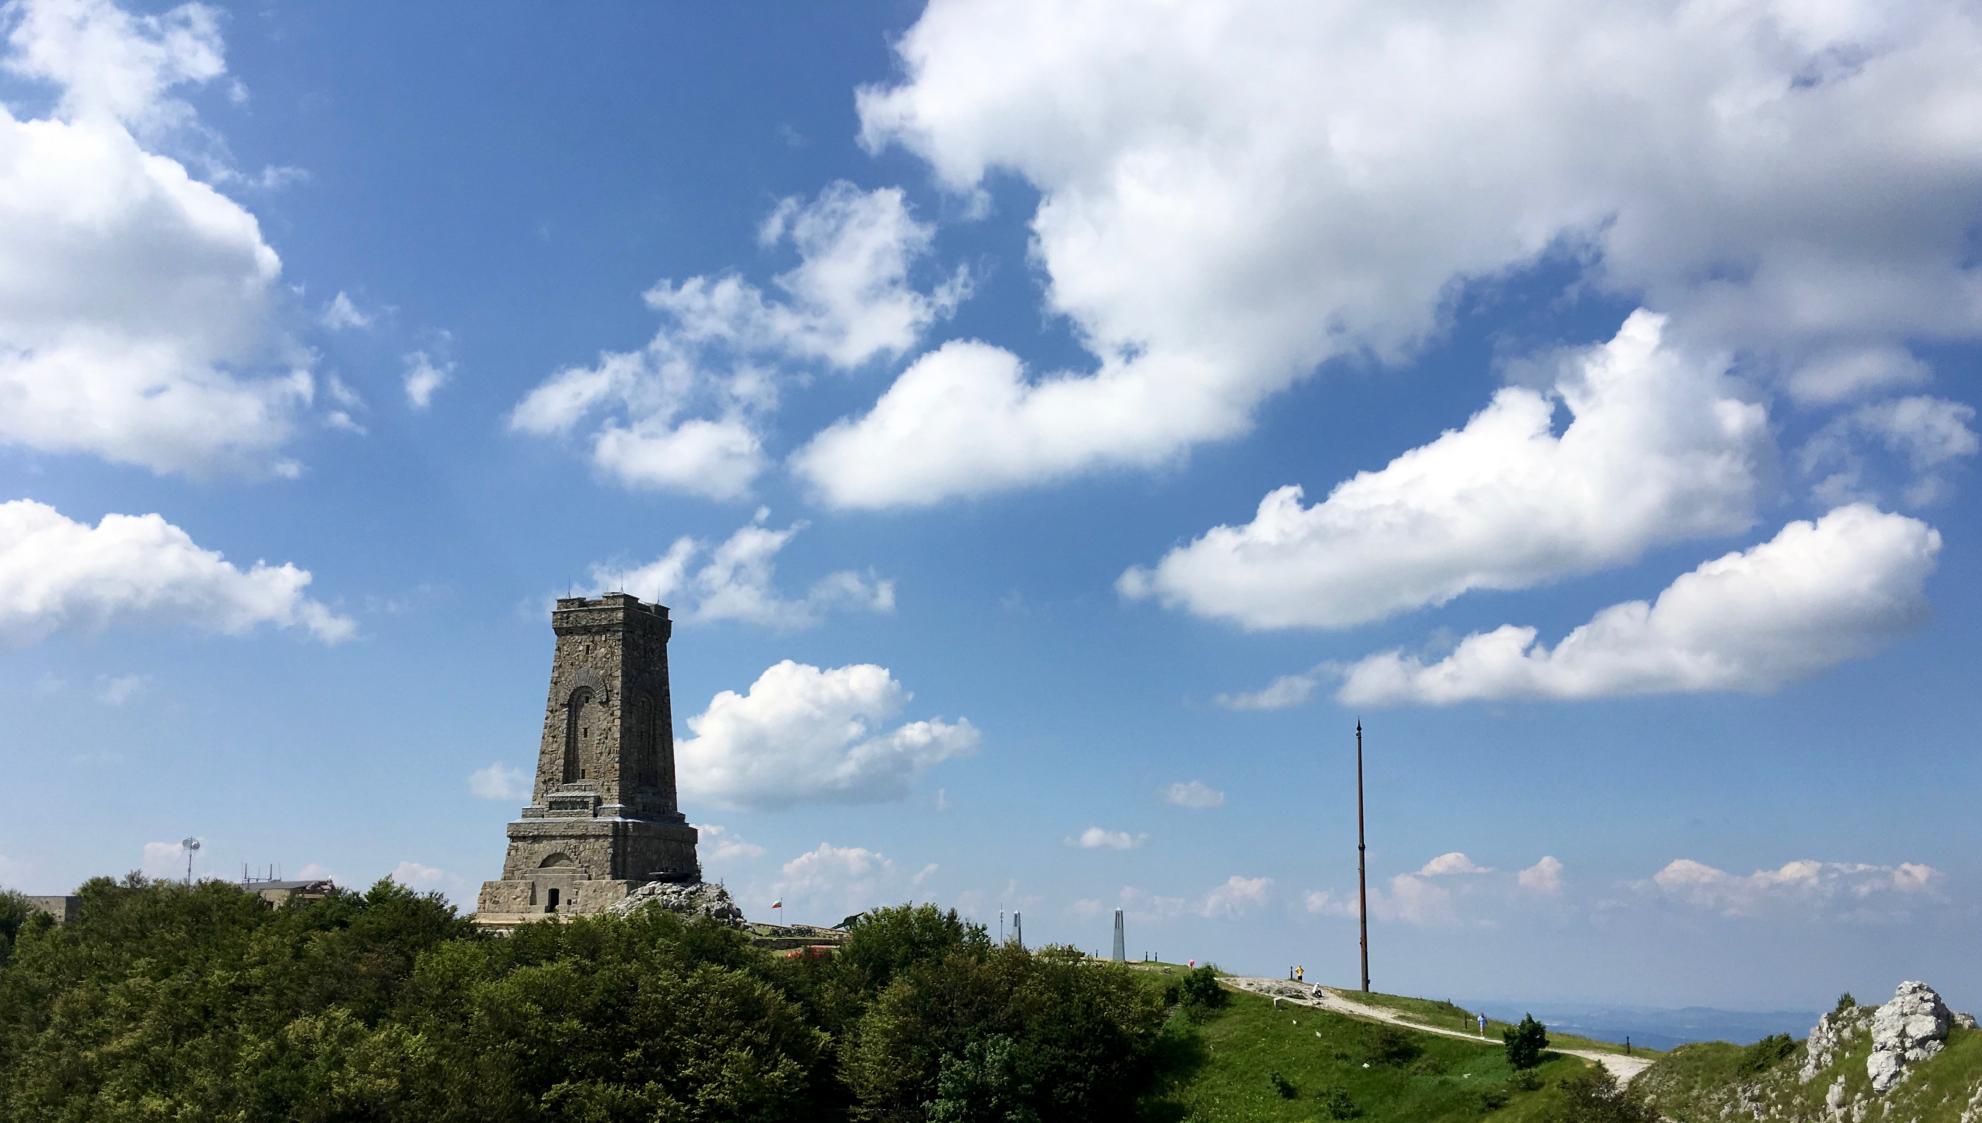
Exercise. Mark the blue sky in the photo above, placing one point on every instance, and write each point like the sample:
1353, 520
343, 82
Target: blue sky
947, 372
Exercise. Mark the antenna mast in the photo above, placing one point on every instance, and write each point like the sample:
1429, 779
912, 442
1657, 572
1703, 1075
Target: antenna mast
191, 845
1362, 875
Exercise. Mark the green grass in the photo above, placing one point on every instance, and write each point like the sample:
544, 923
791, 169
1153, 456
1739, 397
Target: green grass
1223, 1070
1694, 1083
1445, 1015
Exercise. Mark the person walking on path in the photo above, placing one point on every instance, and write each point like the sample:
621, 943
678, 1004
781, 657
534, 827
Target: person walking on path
1483, 1024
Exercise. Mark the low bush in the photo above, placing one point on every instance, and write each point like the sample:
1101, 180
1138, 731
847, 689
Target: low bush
1199, 993
1336, 1104
1525, 1042
1764, 1054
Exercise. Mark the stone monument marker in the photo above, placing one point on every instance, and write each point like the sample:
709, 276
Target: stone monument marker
602, 819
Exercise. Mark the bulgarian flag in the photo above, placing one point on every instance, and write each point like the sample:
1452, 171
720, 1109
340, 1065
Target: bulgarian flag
779, 903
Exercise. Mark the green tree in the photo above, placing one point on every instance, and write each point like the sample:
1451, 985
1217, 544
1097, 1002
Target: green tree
14, 914
986, 1084
1594, 1096
1525, 1042
1199, 993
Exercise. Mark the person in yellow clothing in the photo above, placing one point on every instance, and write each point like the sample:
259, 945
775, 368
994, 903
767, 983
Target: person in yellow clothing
1300, 974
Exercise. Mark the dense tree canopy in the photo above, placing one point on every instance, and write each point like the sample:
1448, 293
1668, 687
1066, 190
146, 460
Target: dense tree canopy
170, 1002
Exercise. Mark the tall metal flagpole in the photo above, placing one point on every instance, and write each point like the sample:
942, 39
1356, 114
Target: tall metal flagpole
1362, 877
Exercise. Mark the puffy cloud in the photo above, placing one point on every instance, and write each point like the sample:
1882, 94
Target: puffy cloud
57, 573
343, 314
499, 781
1209, 247
1657, 449
723, 845
1451, 864
110, 64
1100, 838
850, 878
1410, 899
132, 296
424, 376
1812, 597
736, 580
1804, 884
964, 420
1195, 794
687, 412
430, 879
1545, 876
1236, 897
1928, 434
802, 734
1282, 693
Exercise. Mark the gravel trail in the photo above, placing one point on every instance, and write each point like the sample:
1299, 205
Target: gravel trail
1620, 1066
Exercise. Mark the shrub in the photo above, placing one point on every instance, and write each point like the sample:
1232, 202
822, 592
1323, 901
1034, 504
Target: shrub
1283, 1086
1336, 1104
1493, 1099
1428, 1066
1595, 1097
1387, 1045
1199, 992
1527, 1080
1525, 1042
1844, 1002
1763, 1054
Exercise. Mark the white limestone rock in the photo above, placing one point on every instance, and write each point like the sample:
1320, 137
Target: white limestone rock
1831, 1038
687, 898
1910, 1028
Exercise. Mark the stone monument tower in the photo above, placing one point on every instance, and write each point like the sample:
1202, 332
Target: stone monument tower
602, 819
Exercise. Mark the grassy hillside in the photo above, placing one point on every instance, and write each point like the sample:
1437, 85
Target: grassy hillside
1224, 1069
1446, 1015
1698, 1083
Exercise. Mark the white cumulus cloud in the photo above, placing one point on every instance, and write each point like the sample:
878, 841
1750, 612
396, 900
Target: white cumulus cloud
1804, 884
1101, 838
1450, 864
723, 845
499, 781
803, 734
1658, 448
1812, 597
343, 314
135, 300
736, 580
1194, 794
1545, 876
1791, 181
688, 412
1237, 896
425, 375
58, 573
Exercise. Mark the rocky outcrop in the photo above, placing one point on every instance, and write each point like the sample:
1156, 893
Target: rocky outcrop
1831, 1038
685, 898
1910, 1028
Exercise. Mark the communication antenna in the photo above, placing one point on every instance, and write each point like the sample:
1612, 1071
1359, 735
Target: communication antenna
192, 846
1362, 876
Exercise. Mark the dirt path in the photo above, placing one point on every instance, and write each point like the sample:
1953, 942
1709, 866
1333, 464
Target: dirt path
1620, 1066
